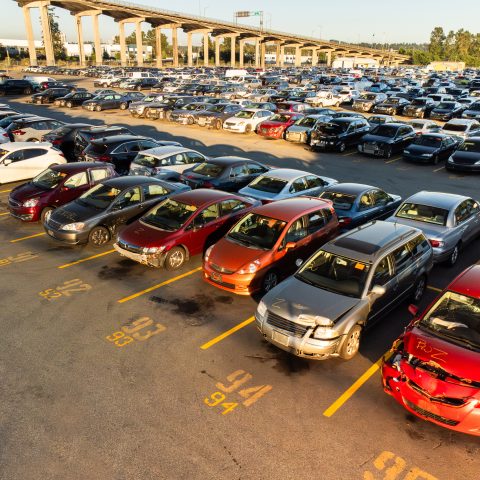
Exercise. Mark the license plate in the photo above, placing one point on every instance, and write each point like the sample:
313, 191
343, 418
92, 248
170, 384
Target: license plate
50, 232
322, 143
216, 277
281, 338
369, 149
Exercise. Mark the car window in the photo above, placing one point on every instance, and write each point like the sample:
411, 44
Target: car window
77, 180
239, 171
16, 156
133, 147
314, 181
463, 212
315, 221
129, 198
365, 202
98, 174
230, 206
254, 169
194, 157
380, 198
298, 185
145, 144
178, 159
153, 191
419, 245
208, 214
401, 258
296, 232
39, 125
383, 273
34, 152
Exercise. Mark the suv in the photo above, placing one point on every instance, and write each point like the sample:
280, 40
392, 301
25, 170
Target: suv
85, 136
31, 129
367, 101
344, 288
73, 99
163, 110
12, 87
215, 115
49, 95
64, 136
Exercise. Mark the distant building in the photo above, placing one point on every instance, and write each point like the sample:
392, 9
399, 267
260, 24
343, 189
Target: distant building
354, 62
446, 66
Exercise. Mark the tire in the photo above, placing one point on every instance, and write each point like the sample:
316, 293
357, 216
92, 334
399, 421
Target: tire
190, 120
269, 281
123, 106
98, 108
45, 214
248, 129
168, 115
99, 236
27, 91
452, 259
435, 160
342, 147
419, 289
175, 258
351, 343
139, 88
69, 104
218, 124
388, 152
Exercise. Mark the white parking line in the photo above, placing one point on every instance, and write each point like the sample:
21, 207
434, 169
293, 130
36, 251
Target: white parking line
394, 160
438, 169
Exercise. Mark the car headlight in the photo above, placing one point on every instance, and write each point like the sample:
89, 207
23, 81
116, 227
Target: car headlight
207, 253
261, 309
74, 226
33, 202
250, 268
406, 152
450, 159
427, 154
241, 123
324, 333
150, 250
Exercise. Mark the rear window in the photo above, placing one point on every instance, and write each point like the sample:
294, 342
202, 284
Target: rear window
423, 213
268, 184
454, 127
208, 169
341, 201
99, 148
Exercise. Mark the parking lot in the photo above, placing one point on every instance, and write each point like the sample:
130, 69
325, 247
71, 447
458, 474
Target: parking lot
111, 369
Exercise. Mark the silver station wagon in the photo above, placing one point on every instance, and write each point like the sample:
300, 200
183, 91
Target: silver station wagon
345, 287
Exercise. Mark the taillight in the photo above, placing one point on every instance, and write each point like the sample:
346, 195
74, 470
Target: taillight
345, 221
57, 141
5, 134
208, 185
18, 132
435, 243
104, 158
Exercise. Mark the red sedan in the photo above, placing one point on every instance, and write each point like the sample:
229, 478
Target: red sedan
182, 226
275, 126
433, 369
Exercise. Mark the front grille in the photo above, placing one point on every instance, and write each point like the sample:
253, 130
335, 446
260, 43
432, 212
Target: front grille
284, 324
225, 284
452, 401
465, 161
220, 269
229, 124
431, 415
129, 247
53, 223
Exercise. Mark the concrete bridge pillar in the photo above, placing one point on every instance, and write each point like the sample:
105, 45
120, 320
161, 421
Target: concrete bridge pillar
123, 46
81, 48
257, 53
175, 46
47, 34
189, 50
278, 54
262, 55
29, 29
158, 46
314, 57
217, 51
139, 41
241, 48
205, 49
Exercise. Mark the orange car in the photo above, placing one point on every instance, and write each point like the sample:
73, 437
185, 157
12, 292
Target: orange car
266, 244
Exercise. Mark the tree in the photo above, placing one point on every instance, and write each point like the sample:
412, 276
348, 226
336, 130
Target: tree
437, 43
57, 36
149, 39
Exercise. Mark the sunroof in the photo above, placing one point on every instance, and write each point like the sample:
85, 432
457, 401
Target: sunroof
358, 245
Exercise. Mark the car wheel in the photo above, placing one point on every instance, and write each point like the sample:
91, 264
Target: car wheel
99, 236
270, 280
218, 124
436, 159
123, 106
139, 88
422, 115
45, 215
452, 259
388, 152
419, 289
98, 108
351, 343
168, 115
69, 104
248, 129
27, 91
175, 258
190, 120
342, 147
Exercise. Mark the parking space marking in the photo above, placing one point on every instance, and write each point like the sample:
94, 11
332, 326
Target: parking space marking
438, 169
5, 191
435, 289
86, 259
2, 214
226, 334
353, 388
348, 154
26, 238
159, 285
66, 289
396, 159
130, 332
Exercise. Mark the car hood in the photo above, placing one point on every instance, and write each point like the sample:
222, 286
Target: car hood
293, 298
419, 149
429, 229
232, 255
74, 212
28, 190
376, 138
442, 110
142, 235
461, 154
270, 124
453, 358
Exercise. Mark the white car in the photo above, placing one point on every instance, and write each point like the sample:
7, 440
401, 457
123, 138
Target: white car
25, 160
461, 127
324, 99
424, 126
246, 121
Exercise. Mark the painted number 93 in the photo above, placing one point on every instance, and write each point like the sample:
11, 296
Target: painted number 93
132, 331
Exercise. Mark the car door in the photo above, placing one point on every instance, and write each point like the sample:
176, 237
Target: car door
35, 160
405, 268
237, 179
298, 187
365, 209
72, 188
11, 167
203, 228
96, 175
382, 204
315, 185
127, 206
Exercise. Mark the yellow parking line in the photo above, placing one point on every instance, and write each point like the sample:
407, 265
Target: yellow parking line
435, 289
5, 191
226, 334
26, 238
348, 154
150, 289
394, 160
352, 389
87, 259
2, 214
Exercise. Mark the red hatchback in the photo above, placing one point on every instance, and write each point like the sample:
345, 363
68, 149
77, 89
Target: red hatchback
276, 125
434, 367
264, 246
55, 187
181, 226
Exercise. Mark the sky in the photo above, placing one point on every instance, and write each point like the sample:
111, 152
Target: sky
381, 21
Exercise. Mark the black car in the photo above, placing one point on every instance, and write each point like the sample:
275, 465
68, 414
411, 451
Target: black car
49, 95
431, 147
12, 87
184, 115
467, 156
215, 115
223, 173
338, 133
164, 109
84, 136
391, 106
141, 83
96, 216
48, 84
63, 138
447, 110
109, 101
472, 111
73, 99
387, 139
419, 107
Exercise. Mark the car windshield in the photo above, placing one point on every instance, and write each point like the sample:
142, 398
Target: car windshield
377, 120
455, 127
393, 100
419, 102
332, 128
341, 201
423, 213
268, 184
279, 118
100, 196
474, 106
257, 231
428, 141
146, 160
208, 169
306, 122
216, 108
48, 179
446, 105
60, 131
385, 131
456, 317
468, 146
244, 114
368, 96
335, 273
169, 215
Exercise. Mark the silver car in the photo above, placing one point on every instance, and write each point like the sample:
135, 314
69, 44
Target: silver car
281, 183
449, 221
345, 287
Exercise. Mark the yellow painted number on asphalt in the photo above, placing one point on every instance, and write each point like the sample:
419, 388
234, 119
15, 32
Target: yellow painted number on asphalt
65, 289
21, 257
131, 332
391, 467
236, 379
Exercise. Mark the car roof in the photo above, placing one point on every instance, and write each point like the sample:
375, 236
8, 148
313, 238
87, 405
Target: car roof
34, 119
119, 139
468, 282
435, 135
129, 181
79, 166
367, 242
461, 121
166, 150
287, 174
12, 146
436, 199
290, 208
202, 196
351, 188
229, 160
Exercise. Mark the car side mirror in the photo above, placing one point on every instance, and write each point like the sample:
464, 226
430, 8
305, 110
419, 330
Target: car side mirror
290, 246
378, 290
413, 309
298, 262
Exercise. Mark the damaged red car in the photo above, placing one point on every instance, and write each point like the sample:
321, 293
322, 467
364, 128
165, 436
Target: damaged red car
276, 125
433, 369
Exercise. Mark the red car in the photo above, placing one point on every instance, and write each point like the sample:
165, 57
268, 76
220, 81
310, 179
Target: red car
264, 245
276, 125
433, 369
182, 226
54, 187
